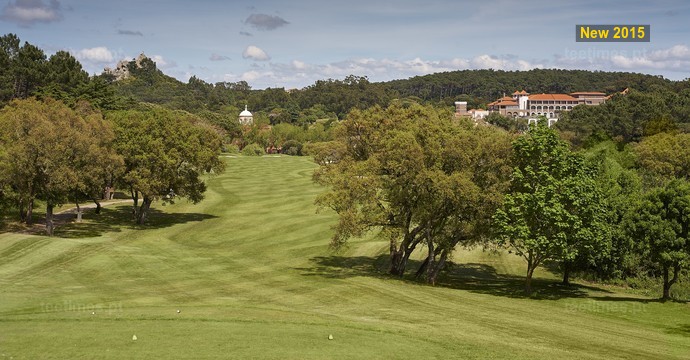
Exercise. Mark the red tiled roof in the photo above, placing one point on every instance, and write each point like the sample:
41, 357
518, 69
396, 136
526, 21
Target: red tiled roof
561, 97
507, 103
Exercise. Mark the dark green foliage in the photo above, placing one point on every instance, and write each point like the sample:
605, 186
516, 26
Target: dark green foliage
626, 117
341, 96
621, 189
492, 84
661, 224
292, 147
24, 69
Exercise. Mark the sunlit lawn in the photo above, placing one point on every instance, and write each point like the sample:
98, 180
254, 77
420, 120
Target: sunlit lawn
250, 271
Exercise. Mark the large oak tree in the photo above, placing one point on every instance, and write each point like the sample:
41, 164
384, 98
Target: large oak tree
166, 153
416, 176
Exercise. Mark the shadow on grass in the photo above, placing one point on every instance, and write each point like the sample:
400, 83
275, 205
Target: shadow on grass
683, 330
341, 267
116, 218
639, 299
473, 277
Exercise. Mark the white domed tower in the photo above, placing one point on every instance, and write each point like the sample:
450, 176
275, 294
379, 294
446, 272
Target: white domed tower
246, 118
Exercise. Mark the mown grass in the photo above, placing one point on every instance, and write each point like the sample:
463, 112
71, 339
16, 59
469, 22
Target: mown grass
251, 273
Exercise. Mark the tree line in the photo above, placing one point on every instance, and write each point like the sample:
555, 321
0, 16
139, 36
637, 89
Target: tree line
56, 154
427, 182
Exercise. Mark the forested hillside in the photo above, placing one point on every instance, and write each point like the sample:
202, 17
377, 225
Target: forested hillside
27, 71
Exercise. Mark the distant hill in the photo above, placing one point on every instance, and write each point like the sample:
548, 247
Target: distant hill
478, 87
487, 85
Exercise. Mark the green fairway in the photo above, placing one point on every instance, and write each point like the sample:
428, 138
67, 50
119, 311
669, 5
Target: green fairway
250, 271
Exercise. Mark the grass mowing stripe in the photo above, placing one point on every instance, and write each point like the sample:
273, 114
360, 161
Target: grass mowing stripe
251, 271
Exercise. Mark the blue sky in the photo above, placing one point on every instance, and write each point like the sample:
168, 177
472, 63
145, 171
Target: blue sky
293, 43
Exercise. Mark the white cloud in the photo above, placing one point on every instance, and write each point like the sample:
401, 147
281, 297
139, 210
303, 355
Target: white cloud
677, 52
28, 12
255, 53
675, 58
297, 73
161, 63
299, 65
99, 55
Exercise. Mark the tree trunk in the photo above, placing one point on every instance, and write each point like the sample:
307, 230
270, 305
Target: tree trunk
566, 273
144, 209
528, 279
22, 211
431, 257
135, 205
397, 263
98, 205
50, 227
433, 275
399, 259
78, 211
30, 212
668, 283
667, 286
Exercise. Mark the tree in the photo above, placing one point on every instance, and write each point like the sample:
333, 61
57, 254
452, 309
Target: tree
621, 188
665, 156
9, 47
51, 152
661, 224
65, 71
553, 208
29, 69
99, 165
165, 153
416, 177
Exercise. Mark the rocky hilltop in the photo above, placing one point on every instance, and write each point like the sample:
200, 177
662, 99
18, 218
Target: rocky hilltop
121, 70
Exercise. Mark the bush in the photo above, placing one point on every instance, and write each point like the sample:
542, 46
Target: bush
292, 147
253, 150
231, 149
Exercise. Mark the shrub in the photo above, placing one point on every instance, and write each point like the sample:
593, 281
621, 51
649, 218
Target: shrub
253, 150
292, 147
231, 149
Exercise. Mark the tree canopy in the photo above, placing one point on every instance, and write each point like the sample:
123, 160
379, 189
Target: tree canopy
553, 208
417, 177
51, 152
165, 153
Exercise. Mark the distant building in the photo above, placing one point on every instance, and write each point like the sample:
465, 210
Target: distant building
461, 108
525, 105
474, 114
246, 117
478, 114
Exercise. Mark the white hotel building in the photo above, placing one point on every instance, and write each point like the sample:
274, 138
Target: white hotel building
525, 105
